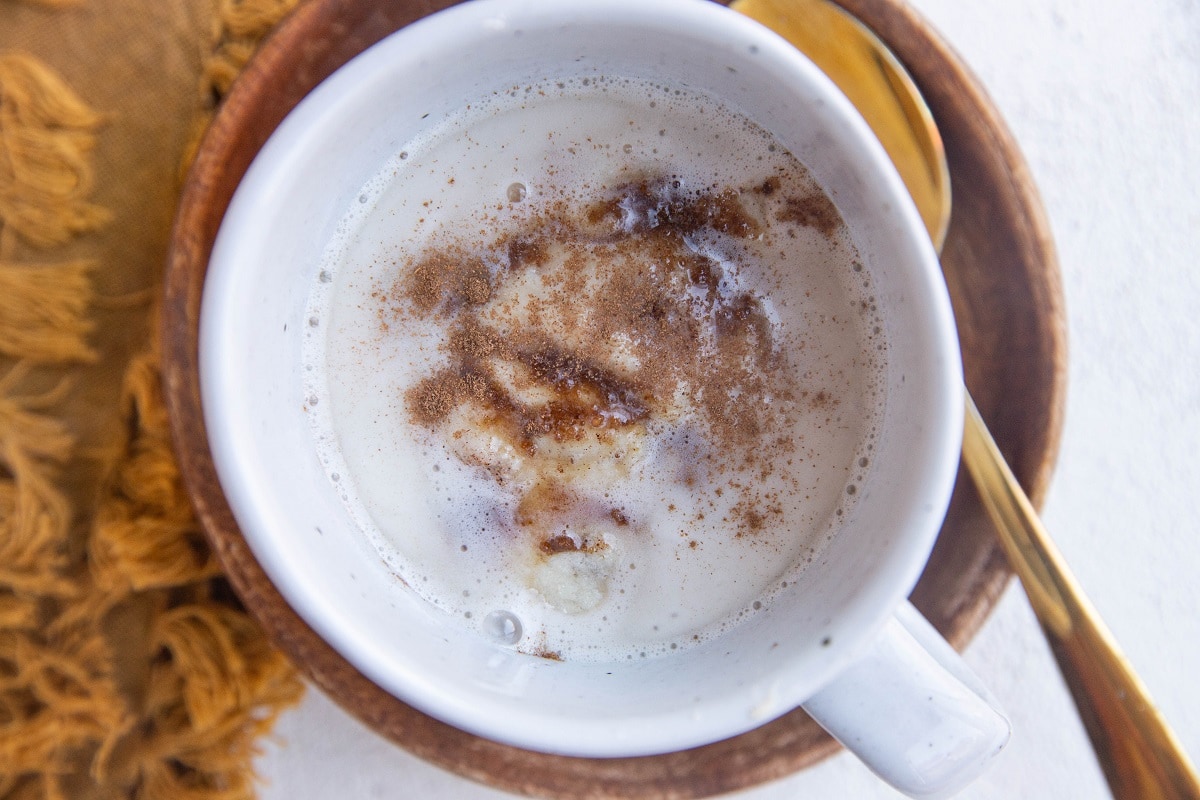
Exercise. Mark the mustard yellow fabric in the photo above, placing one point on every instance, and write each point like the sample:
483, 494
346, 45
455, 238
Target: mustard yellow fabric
127, 667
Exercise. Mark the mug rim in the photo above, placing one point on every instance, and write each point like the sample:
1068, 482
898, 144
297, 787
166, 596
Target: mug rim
482, 13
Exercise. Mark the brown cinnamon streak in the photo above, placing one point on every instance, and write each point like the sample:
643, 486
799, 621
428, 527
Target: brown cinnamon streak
587, 397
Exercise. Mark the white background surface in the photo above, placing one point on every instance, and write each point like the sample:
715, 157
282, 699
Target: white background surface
1103, 97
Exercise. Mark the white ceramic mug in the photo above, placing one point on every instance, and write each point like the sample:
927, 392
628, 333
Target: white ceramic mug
843, 642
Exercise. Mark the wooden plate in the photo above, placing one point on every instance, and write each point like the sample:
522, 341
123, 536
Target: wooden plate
1003, 277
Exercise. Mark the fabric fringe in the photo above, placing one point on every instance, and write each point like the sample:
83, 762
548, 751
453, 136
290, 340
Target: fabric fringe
57, 696
44, 311
215, 684
34, 514
89, 594
241, 25
239, 28
145, 535
46, 136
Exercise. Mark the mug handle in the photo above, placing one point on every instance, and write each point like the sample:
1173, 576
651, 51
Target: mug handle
912, 710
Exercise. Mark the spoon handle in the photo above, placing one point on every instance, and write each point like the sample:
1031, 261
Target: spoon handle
1138, 752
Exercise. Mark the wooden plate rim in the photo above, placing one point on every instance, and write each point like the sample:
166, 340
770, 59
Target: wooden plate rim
775, 750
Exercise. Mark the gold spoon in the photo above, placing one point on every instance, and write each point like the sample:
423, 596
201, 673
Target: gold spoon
1137, 750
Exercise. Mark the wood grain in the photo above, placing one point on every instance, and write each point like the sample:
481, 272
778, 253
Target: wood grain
1004, 281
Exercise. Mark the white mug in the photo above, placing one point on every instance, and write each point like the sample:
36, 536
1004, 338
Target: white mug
843, 642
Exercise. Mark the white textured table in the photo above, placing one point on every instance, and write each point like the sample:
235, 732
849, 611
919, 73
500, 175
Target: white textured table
1104, 100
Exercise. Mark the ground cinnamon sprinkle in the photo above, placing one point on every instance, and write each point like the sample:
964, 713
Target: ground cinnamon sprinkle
628, 322
560, 543
447, 279
813, 210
